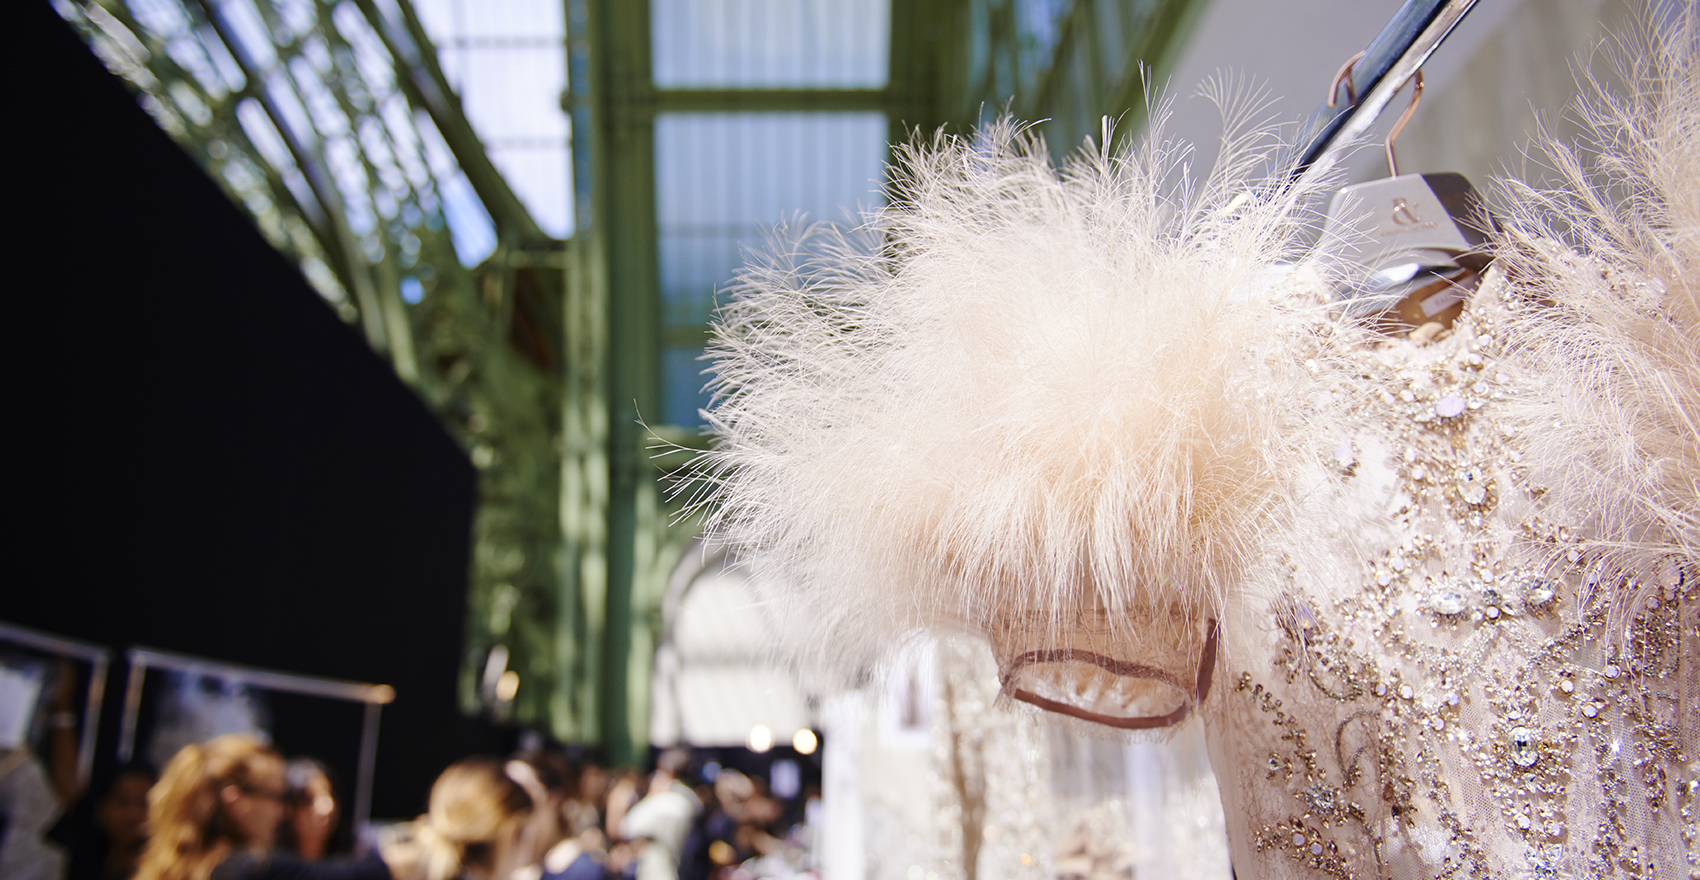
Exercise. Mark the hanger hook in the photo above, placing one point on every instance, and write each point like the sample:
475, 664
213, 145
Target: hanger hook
1416, 95
1342, 75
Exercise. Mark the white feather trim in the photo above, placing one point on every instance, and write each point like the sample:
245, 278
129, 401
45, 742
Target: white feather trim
1016, 394
1606, 276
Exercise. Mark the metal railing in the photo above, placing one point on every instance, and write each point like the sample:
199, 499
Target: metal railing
374, 696
99, 660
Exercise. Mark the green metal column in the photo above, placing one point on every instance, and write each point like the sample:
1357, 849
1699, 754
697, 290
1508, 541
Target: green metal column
584, 425
917, 64
584, 496
613, 122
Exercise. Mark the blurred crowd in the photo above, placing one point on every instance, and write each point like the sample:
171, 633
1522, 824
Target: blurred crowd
233, 808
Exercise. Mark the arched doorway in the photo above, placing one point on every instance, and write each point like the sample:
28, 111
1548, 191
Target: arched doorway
716, 676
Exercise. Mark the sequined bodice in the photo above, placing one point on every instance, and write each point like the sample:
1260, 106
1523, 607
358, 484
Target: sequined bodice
1428, 689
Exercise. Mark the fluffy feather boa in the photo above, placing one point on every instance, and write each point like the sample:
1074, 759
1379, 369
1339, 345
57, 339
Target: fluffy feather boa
1606, 284
1016, 393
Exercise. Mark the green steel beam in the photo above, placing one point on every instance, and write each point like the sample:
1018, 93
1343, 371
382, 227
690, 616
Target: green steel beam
769, 100
424, 84
339, 240
585, 413
584, 495
915, 68
622, 230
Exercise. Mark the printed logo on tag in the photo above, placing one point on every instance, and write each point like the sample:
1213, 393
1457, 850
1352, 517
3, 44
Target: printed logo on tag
1403, 215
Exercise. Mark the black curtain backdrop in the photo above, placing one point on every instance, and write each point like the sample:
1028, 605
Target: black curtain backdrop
208, 460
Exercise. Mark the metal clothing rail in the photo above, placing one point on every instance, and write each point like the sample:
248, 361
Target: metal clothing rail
1397, 53
375, 696
99, 660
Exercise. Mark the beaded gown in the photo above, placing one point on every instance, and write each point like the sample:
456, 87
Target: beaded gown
1429, 688
1476, 653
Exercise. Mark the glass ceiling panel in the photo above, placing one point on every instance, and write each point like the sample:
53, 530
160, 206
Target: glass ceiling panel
699, 44
723, 181
483, 20
507, 62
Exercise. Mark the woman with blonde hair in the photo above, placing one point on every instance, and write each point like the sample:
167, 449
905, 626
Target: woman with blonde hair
482, 824
214, 815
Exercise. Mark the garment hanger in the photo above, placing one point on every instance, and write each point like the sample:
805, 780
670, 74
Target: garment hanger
1407, 248
1376, 75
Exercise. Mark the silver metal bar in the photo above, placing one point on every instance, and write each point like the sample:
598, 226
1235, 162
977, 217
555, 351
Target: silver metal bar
132, 708
91, 719
99, 659
52, 644
288, 682
373, 695
364, 770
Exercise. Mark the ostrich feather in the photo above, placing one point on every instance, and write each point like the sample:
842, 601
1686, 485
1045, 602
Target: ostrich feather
1606, 269
1018, 392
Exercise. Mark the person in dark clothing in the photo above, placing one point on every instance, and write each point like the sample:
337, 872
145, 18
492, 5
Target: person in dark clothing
105, 831
314, 824
564, 855
277, 866
581, 866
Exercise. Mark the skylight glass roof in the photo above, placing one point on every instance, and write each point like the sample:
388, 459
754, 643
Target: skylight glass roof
790, 44
507, 61
725, 180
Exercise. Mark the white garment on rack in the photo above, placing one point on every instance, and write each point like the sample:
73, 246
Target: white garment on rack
30, 808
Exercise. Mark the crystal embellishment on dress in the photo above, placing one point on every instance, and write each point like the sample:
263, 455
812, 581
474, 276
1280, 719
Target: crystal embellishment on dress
1536, 592
1321, 798
1522, 747
1499, 697
1449, 407
1447, 601
1472, 487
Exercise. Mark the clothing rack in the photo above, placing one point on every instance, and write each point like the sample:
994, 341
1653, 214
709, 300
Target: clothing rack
99, 660
375, 696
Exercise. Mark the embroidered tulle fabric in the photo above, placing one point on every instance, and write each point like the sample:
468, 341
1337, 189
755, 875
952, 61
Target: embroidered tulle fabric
1429, 690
